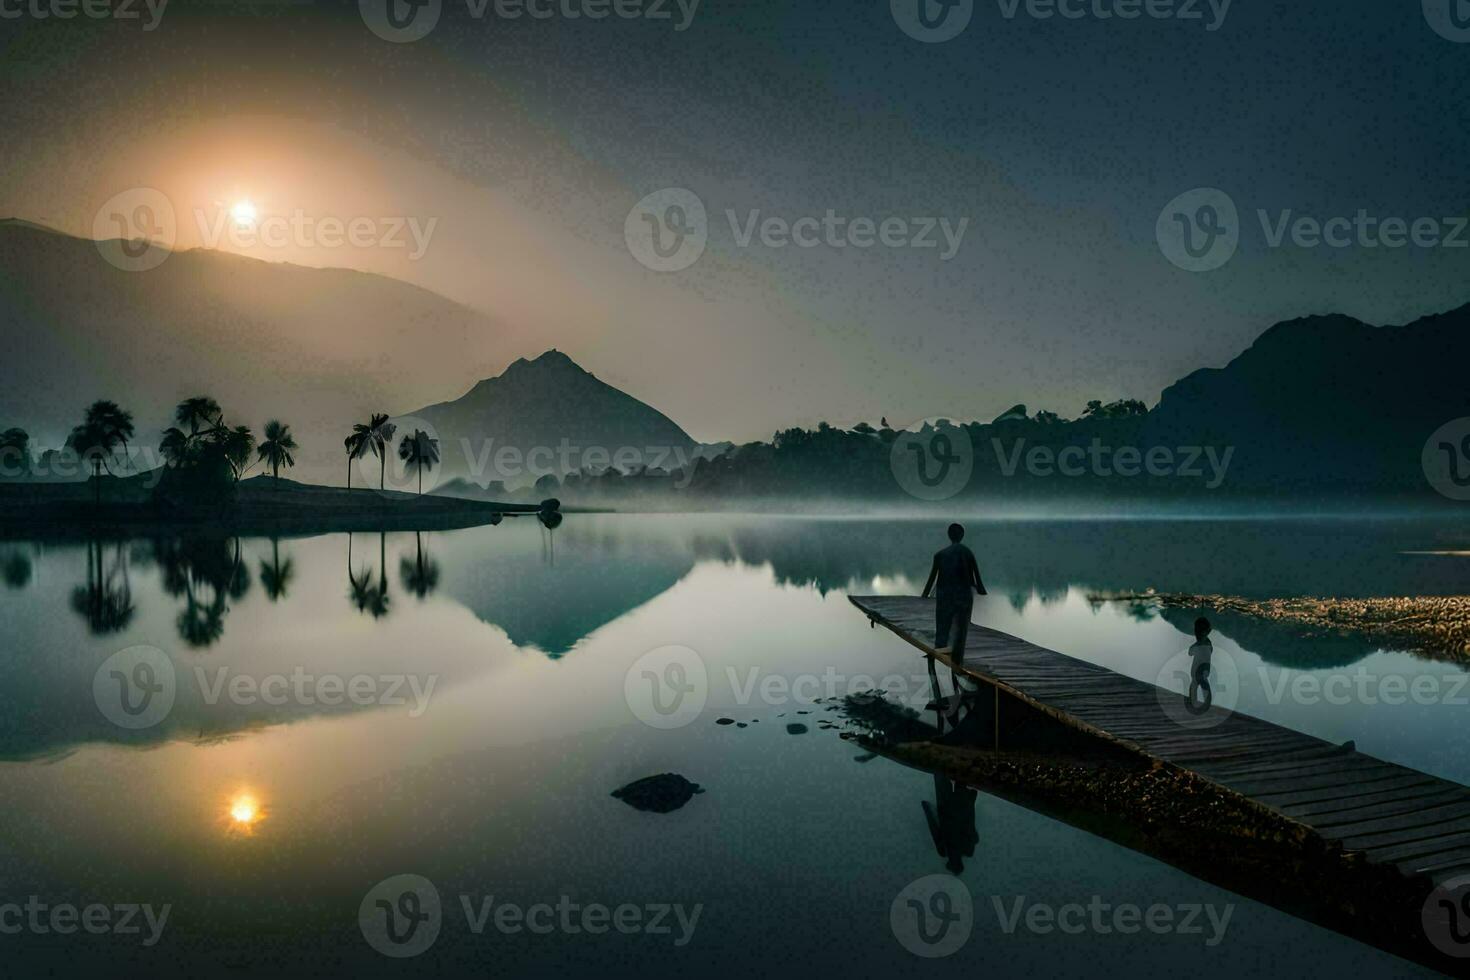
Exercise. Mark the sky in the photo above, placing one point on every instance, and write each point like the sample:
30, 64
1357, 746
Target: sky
1026, 173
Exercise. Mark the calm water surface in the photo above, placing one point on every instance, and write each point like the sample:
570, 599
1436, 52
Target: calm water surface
491, 720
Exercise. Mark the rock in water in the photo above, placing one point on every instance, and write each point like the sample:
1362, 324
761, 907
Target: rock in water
658, 794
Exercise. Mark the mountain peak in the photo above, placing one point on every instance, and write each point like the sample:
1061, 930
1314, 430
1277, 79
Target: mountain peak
549, 362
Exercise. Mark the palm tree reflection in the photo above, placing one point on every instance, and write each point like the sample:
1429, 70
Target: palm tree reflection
106, 600
420, 574
207, 573
275, 576
367, 596
16, 569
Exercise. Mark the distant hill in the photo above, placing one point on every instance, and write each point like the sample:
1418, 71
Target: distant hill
318, 348
1327, 403
548, 415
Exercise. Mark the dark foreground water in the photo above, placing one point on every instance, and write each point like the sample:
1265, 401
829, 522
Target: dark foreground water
260, 739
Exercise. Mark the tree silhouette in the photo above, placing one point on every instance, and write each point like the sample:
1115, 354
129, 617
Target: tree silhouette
236, 444
277, 447
356, 446
373, 437
198, 412
419, 452
104, 428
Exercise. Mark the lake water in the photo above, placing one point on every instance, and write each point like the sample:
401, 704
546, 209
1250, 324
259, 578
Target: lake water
459, 706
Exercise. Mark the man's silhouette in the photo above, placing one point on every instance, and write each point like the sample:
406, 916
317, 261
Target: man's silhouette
956, 573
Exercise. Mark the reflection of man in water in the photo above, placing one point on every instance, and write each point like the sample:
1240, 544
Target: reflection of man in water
1200, 694
957, 575
951, 820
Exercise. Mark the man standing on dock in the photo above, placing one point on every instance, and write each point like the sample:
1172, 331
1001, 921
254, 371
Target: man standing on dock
956, 573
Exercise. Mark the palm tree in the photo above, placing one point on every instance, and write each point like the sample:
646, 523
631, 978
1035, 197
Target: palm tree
277, 447
175, 446
419, 452
201, 410
375, 437
15, 445
237, 444
104, 427
356, 446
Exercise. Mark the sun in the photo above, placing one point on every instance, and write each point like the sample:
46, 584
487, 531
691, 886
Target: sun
244, 213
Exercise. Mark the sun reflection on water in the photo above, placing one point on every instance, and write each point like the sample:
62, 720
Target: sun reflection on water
244, 812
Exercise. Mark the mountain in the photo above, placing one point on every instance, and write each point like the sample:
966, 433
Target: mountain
549, 416
317, 348
1326, 403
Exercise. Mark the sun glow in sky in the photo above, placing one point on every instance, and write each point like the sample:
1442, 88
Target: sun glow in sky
244, 213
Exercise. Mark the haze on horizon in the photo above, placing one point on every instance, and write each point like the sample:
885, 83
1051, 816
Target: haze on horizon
527, 142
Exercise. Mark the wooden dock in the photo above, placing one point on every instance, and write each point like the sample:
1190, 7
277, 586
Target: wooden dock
1387, 814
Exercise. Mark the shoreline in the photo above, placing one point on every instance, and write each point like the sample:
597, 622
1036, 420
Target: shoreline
257, 507
1434, 626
